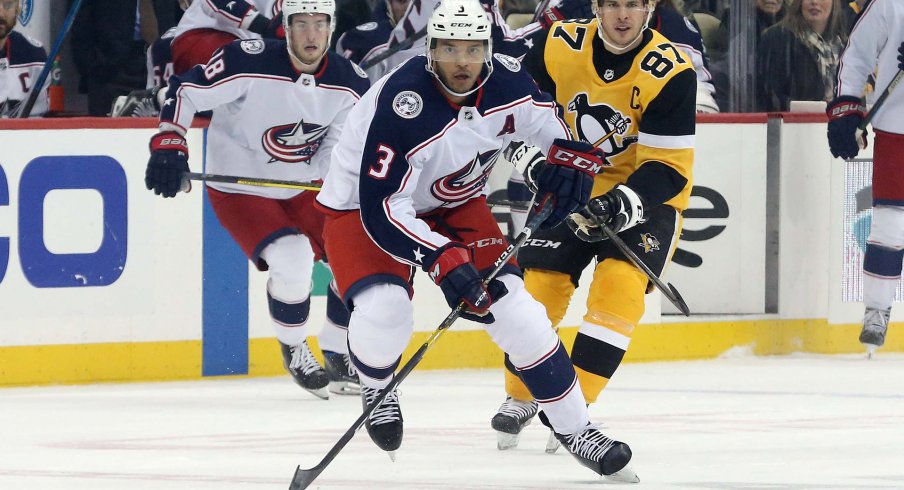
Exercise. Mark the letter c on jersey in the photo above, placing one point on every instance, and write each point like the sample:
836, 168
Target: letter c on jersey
46, 269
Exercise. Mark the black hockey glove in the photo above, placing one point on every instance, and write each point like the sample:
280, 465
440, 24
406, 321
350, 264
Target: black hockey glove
452, 268
565, 179
167, 165
566, 9
901, 56
260, 24
845, 114
619, 209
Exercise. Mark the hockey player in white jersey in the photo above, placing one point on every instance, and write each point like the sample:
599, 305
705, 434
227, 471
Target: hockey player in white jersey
278, 109
877, 35
21, 62
406, 190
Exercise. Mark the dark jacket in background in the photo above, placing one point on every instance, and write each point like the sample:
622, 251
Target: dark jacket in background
786, 70
110, 61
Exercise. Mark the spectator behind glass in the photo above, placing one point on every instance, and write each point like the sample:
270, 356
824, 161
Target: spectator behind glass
21, 62
768, 12
798, 57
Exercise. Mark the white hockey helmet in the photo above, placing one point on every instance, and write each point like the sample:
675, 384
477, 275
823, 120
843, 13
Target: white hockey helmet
464, 20
292, 7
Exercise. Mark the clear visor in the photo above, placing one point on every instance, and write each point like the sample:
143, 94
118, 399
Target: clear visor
614, 7
470, 53
303, 23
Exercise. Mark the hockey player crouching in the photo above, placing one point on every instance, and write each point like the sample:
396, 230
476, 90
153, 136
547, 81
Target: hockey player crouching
278, 108
405, 191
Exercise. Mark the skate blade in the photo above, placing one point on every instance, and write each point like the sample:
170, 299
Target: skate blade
552, 444
624, 475
870, 350
344, 388
321, 393
391, 455
506, 441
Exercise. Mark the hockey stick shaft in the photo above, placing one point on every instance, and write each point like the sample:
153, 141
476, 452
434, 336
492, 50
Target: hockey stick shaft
667, 289
861, 128
304, 477
48, 65
405, 44
231, 179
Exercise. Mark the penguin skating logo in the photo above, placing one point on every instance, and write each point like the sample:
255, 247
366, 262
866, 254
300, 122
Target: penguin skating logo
601, 126
293, 143
467, 181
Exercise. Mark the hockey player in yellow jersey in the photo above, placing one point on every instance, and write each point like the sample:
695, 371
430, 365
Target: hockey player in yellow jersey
627, 90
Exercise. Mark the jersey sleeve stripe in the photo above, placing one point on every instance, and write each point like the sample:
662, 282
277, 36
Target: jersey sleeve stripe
339, 88
226, 14
666, 142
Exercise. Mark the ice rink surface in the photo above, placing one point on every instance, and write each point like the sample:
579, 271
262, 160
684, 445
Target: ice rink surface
743, 422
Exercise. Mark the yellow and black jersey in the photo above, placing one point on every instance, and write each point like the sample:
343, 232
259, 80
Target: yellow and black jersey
639, 107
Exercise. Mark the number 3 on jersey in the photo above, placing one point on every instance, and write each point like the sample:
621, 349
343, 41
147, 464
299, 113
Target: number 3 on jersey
381, 168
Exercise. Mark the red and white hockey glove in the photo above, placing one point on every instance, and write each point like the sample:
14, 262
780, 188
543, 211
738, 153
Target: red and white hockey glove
452, 268
168, 164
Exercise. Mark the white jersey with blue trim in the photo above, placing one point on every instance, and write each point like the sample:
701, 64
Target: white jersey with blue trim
232, 16
876, 36
21, 62
406, 150
268, 120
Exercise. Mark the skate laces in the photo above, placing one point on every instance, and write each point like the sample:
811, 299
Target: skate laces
876, 319
517, 409
590, 443
388, 411
303, 358
349, 365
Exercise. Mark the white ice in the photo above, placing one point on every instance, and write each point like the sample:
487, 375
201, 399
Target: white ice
824, 422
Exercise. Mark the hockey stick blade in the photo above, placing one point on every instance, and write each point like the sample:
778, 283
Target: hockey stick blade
668, 291
232, 179
304, 477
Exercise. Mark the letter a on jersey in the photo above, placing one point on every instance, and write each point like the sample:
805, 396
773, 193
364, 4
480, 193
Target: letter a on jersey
509, 126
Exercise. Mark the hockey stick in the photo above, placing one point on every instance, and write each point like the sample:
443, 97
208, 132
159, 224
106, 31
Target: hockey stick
667, 289
407, 43
861, 128
231, 179
48, 65
304, 477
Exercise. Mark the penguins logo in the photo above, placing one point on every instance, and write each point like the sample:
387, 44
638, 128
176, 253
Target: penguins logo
648, 242
467, 181
293, 143
601, 126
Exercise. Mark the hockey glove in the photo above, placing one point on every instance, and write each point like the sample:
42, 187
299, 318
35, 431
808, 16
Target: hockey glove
565, 179
566, 9
451, 267
260, 24
619, 209
167, 165
845, 114
901, 56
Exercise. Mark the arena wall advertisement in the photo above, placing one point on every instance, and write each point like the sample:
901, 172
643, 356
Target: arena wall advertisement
100, 280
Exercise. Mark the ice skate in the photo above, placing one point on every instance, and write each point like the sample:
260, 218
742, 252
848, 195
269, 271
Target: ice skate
605, 456
875, 325
552, 443
139, 103
342, 374
513, 415
384, 425
307, 373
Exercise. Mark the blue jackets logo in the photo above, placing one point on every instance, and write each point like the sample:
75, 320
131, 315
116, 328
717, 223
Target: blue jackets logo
293, 143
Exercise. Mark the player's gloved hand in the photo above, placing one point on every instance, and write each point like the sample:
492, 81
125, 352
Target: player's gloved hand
566, 9
260, 24
451, 267
619, 209
167, 165
275, 29
901, 56
565, 179
845, 114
